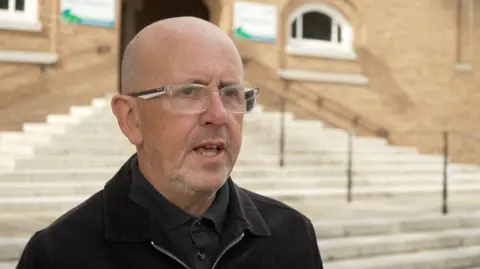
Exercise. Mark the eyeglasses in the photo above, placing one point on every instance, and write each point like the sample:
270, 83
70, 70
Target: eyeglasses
195, 98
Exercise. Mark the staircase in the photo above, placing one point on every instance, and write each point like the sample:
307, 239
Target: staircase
393, 222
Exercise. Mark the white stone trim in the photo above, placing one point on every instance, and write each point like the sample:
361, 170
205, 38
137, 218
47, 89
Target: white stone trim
26, 20
21, 26
31, 57
464, 67
320, 48
336, 53
326, 77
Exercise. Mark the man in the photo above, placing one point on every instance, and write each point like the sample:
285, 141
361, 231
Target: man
173, 204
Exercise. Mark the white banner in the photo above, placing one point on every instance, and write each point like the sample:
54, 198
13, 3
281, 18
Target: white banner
255, 21
89, 12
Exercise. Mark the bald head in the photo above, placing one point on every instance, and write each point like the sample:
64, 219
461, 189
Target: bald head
168, 44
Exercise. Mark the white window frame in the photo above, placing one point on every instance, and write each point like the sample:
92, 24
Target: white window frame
26, 20
321, 48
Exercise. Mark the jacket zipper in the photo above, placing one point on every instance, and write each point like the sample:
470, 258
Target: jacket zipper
233, 243
169, 255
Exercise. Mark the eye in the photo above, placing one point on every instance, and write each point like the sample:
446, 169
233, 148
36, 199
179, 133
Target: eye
234, 92
189, 91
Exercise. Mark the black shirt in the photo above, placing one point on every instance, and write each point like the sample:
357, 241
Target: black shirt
196, 239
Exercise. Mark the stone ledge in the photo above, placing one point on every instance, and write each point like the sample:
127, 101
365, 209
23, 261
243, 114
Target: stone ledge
322, 52
29, 57
326, 77
26, 26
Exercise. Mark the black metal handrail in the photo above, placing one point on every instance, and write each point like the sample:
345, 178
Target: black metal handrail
446, 154
356, 123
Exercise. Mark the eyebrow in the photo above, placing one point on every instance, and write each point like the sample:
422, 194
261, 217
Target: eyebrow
204, 82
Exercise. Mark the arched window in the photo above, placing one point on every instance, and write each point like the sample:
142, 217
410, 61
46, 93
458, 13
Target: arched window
19, 15
319, 30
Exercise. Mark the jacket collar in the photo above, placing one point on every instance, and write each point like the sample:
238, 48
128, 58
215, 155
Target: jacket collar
127, 221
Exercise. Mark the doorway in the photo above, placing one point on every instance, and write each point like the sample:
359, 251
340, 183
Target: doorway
137, 14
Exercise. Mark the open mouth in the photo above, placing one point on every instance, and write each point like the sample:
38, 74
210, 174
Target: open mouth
209, 150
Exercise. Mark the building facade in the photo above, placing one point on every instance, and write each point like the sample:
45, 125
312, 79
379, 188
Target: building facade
395, 66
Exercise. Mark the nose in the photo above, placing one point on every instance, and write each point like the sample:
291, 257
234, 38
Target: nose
215, 114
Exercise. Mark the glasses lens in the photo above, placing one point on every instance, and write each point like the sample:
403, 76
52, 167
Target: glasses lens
190, 98
238, 98
195, 98
250, 100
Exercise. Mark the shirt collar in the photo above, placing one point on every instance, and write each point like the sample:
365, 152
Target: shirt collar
167, 214
127, 221
218, 211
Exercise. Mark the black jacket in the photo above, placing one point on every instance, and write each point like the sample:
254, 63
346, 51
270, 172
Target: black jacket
111, 231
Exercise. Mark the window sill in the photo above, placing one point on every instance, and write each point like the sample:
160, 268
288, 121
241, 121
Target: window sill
463, 67
20, 25
29, 57
323, 77
322, 52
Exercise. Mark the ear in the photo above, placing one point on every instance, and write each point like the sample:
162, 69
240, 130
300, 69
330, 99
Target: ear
128, 117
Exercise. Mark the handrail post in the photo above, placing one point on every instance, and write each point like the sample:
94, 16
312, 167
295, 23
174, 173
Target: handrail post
350, 159
445, 173
282, 132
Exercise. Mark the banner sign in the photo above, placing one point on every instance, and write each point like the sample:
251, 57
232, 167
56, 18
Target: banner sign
89, 12
255, 21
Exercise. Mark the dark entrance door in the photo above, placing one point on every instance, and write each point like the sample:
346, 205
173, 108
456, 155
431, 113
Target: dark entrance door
136, 14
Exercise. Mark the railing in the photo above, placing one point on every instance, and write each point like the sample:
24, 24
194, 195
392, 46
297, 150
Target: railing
445, 150
445, 147
355, 122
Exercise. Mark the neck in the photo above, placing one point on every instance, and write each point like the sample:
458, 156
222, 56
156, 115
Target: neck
189, 200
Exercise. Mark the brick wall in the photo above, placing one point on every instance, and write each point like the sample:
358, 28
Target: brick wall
87, 68
409, 52
407, 49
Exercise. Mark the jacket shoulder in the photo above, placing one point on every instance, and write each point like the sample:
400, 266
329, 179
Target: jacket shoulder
292, 230
275, 210
81, 224
86, 219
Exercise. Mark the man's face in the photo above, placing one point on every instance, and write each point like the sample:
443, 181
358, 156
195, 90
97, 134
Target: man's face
177, 145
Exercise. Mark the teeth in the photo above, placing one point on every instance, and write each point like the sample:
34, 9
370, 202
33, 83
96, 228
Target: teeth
207, 152
211, 147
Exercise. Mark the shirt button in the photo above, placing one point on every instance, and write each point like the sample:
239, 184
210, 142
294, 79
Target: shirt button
200, 255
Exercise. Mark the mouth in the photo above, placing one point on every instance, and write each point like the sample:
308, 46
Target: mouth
210, 149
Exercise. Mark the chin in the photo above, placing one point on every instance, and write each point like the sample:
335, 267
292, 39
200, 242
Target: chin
207, 182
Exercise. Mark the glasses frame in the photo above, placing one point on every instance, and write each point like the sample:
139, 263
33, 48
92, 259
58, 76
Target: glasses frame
156, 92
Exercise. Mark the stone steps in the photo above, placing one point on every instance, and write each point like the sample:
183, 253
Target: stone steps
11, 248
377, 245
113, 161
378, 226
314, 182
59, 199
332, 187
271, 175
87, 173
338, 158
394, 220
8, 264
111, 149
385, 207
309, 161
269, 144
451, 258
388, 236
